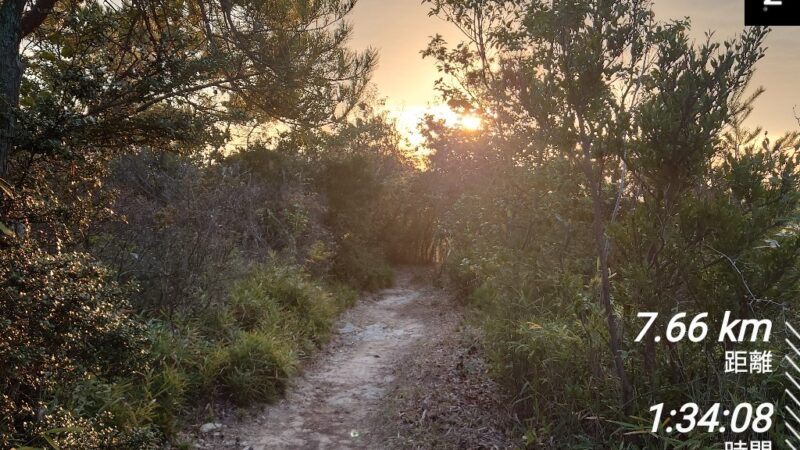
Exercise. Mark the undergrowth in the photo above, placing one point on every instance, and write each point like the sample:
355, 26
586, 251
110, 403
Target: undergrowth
241, 351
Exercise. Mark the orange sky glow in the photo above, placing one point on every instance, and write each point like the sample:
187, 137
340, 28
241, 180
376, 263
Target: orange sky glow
400, 29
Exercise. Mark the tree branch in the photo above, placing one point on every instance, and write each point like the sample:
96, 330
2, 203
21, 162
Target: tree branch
36, 15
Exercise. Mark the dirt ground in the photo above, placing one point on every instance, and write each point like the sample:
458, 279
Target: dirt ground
400, 373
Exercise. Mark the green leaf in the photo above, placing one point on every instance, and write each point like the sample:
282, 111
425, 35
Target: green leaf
6, 188
7, 231
51, 442
63, 430
46, 435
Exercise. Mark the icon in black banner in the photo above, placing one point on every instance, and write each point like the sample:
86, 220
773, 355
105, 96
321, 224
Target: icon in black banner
772, 12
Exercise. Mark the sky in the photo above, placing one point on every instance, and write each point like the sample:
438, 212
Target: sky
400, 29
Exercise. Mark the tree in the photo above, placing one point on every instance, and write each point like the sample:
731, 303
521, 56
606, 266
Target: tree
103, 79
597, 82
109, 66
15, 24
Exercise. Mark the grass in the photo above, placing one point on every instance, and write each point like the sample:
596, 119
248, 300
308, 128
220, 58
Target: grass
253, 367
246, 349
239, 351
242, 351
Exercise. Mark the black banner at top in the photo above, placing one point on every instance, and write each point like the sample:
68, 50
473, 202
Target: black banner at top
772, 12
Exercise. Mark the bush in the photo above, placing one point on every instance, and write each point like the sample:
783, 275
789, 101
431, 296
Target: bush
123, 384
359, 265
283, 300
527, 264
245, 348
187, 230
62, 429
254, 367
357, 215
549, 353
62, 323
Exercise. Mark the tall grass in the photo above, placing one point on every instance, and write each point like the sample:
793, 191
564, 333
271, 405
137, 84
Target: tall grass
241, 351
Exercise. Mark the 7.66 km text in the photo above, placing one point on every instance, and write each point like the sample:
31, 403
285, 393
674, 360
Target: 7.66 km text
696, 329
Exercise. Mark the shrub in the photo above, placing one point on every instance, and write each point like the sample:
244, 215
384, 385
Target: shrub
357, 215
115, 386
254, 367
243, 349
188, 229
283, 300
62, 322
62, 429
359, 265
548, 353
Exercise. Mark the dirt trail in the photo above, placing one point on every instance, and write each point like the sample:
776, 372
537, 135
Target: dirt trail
335, 402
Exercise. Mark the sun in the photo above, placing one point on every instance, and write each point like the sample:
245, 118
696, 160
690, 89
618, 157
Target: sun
408, 119
471, 122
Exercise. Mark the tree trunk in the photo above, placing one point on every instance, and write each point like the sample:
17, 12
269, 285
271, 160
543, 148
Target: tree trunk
10, 76
615, 335
595, 182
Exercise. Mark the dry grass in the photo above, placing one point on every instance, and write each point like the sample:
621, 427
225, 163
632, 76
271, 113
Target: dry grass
443, 398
